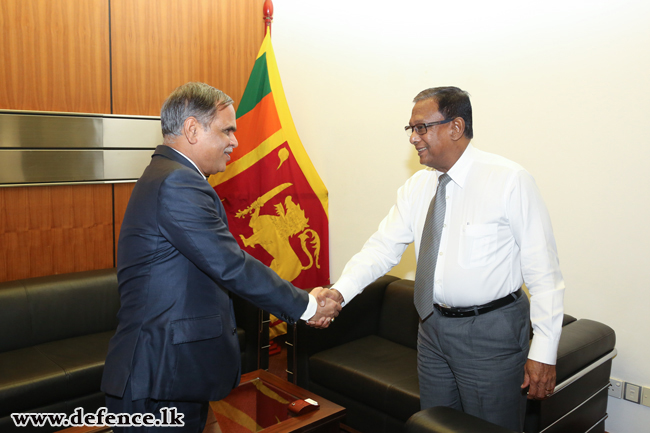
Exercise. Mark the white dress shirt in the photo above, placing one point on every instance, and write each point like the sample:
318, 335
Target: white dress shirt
497, 235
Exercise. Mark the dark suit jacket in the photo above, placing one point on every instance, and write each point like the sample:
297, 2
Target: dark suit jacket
176, 264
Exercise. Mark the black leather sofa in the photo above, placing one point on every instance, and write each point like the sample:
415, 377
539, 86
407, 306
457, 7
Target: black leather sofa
366, 361
54, 334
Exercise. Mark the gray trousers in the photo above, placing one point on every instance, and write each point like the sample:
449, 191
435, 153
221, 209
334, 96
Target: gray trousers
476, 364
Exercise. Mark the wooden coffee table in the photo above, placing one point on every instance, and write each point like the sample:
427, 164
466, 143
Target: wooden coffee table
266, 397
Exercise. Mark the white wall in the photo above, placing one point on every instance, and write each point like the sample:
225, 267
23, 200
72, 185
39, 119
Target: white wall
561, 87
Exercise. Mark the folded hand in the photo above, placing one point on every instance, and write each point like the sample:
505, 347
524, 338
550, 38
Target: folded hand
540, 378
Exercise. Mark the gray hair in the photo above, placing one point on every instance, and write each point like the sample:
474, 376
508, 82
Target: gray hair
197, 100
452, 102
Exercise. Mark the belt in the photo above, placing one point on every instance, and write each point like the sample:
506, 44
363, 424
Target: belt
479, 309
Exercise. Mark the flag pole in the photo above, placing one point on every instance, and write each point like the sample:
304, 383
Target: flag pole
268, 16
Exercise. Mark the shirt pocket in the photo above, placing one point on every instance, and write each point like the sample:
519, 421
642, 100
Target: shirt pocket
478, 244
196, 329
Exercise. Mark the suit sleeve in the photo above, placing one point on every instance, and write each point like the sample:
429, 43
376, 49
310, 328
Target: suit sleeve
188, 217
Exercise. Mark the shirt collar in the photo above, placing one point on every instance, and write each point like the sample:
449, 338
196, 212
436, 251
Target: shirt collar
458, 172
185, 156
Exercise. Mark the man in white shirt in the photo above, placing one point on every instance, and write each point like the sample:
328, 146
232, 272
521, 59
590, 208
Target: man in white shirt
494, 234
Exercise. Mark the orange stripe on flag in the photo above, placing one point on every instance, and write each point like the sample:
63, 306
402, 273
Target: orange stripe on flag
256, 126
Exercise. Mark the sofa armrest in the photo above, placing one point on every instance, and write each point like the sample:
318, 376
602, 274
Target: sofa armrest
447, 420
358, 319
248, 320
586, 370
399, 321
582, 342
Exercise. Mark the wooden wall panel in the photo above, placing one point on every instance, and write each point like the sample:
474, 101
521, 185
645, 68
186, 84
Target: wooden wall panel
55, 55
158, 46
121, 195
46, 230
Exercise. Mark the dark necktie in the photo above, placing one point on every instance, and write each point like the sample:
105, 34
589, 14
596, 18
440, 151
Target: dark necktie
429, 247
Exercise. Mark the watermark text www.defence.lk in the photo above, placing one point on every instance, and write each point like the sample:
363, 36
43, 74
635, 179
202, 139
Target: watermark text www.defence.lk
169, 417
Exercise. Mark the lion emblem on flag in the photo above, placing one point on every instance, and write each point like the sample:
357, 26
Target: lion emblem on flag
273, 232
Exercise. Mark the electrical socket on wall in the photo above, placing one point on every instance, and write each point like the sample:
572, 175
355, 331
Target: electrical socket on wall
632, 393
629, 391
615, 388
645, 397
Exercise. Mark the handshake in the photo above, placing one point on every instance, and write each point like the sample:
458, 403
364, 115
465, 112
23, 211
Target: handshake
329, 304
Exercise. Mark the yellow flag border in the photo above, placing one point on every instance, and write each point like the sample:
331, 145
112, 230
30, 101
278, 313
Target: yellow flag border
287, 133
247, 161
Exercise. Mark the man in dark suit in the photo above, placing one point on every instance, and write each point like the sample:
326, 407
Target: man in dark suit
176, 344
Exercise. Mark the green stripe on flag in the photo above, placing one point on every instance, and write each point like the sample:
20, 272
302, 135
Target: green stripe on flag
257, 88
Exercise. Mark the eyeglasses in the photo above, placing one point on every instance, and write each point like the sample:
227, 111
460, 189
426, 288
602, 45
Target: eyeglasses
421, 128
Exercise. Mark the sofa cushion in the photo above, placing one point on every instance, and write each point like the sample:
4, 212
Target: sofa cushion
28, 380
82, 360
372, 370
51, 372
70, 305
403, 397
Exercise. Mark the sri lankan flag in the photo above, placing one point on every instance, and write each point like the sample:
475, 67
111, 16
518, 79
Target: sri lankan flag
275, 200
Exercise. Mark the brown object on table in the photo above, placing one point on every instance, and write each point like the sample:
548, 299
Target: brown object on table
262, 396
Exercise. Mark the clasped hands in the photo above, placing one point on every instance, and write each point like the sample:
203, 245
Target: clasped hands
329, 304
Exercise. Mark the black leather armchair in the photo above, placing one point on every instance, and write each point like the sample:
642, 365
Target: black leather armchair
366, 361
